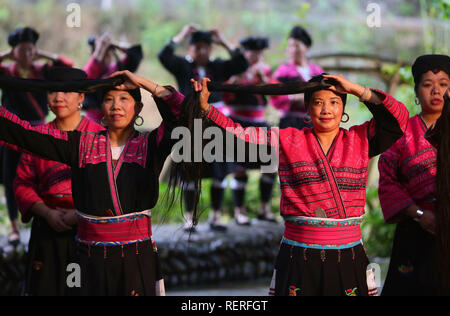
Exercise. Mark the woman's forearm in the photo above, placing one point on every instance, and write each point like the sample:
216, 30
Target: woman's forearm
154, 88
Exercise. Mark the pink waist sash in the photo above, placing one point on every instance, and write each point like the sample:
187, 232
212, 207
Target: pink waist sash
114, 231
319, 233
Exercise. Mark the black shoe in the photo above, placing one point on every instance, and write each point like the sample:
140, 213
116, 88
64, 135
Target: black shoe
218, 228
263, 217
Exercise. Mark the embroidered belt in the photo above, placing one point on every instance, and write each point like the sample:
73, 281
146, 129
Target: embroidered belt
321, 233
114, 231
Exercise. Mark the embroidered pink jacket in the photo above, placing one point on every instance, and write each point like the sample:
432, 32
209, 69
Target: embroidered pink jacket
334, 181
408, 172
40, 180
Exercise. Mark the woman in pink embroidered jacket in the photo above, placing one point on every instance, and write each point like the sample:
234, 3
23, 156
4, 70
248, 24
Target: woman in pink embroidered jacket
323, 174
43, 193
407, 188
292, 107
115, 183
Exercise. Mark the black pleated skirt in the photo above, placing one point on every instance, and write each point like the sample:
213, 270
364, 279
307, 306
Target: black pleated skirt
48, 257
413, 266
314, 272
131, 270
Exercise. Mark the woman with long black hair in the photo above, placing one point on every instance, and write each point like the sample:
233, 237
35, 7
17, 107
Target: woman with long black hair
323, 174
407, 187
115, 182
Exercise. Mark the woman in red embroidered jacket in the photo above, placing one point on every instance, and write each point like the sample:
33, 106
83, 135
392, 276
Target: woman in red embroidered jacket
29, 106
407, 188
323, 175
44, 193
114, 185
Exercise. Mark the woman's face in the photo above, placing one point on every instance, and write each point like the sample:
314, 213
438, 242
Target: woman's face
430, 91
326, 110
64, 104
296, 50
200, 53
119, 109
24, 54
253, 56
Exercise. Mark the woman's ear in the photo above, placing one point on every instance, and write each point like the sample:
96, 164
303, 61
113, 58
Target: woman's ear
138, 108
82, 97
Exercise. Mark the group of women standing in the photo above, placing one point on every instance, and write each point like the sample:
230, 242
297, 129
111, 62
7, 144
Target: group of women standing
323, 168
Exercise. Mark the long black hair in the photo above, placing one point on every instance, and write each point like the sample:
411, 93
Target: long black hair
440, 137
191, 172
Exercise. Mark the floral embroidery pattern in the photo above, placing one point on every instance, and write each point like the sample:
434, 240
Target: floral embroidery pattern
37, 265
293, 290
406, 269
351, 292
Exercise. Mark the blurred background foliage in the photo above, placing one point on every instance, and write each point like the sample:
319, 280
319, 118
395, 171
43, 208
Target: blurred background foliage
408, 29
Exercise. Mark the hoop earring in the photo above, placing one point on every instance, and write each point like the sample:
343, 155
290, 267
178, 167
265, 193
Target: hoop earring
417, 101
307, 121
80, 107
142, 121
102, 121
347, 119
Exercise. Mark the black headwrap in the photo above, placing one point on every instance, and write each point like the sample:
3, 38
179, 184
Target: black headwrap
425, 63
72, 85
255, 43
299, 33
23, 35
320, 78
65, 74
201, 36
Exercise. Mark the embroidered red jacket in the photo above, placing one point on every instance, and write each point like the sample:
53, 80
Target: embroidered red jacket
335, 181
408, 172
98, 187
40, 180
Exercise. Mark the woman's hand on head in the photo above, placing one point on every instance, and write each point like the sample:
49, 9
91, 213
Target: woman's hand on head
203, 88
131, 82
345, 86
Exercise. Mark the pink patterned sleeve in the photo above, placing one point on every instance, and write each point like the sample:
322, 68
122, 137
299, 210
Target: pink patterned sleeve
394, 197
94, 69
25, 187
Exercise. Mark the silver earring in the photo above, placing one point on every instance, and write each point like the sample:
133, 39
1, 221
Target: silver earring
347, 119
102, 121
307, 121
141, 123
80, 107
417, 101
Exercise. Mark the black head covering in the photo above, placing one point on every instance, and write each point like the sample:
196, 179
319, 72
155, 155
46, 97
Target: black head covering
201, 36
65, 74
320, 78
22, 35
299, 33
425, 63
255, 43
